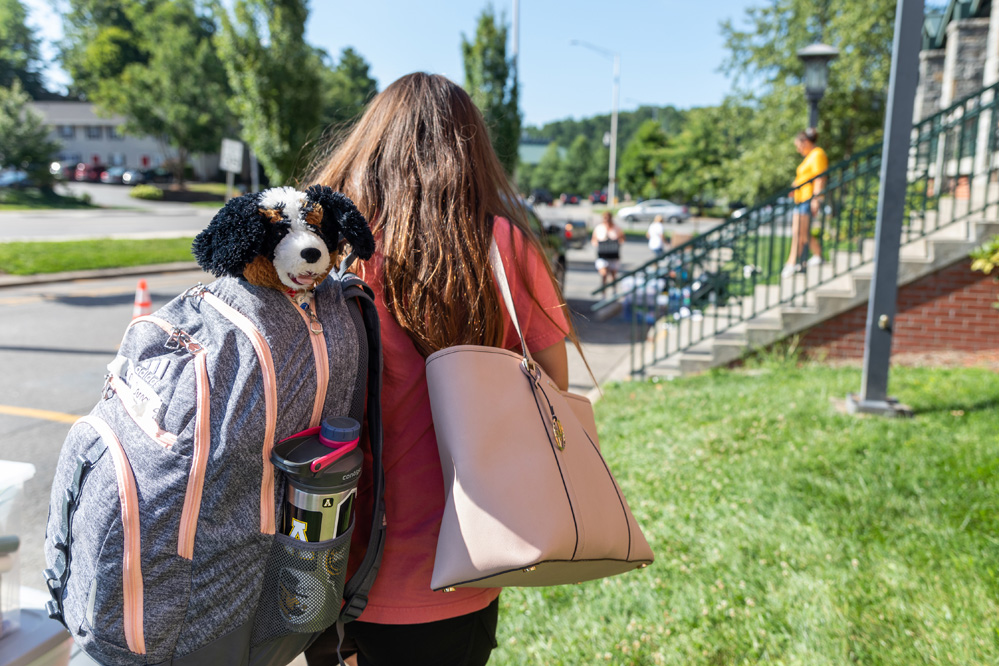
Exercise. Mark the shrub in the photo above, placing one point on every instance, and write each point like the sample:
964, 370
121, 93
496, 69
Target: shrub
146, 192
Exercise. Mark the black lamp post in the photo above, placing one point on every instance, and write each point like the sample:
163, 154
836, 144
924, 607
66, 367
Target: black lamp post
816, 58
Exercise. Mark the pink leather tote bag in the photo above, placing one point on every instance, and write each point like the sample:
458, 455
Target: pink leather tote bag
530, 499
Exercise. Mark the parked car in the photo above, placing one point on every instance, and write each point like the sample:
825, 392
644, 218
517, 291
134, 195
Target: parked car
539, 196
598, 196
567, 198
113, 174
90, 173
140, 176
15, 179
63, 169
647, 210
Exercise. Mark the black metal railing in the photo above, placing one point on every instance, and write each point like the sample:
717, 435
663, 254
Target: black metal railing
713, 283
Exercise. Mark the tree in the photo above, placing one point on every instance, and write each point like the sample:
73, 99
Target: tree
276, 79
546, 169
768, 80
642, 161
569, 176
525, 172
490, 80
179, 93
99, 41
24, 139
155, 64
597, 168
695, 165
347, 88
20, 59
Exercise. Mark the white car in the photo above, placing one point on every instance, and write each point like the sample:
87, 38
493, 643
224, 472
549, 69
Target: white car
646, 211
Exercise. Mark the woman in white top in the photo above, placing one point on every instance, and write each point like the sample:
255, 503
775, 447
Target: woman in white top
657, 236
607, 238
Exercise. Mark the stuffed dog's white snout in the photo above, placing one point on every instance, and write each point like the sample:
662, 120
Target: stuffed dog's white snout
300, 258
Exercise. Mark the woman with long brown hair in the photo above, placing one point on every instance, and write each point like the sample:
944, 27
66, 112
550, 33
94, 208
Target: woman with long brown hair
420, 167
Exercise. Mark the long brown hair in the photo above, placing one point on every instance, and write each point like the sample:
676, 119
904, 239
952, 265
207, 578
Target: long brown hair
420, 166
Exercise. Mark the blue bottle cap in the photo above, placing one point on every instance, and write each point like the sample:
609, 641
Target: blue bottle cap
340, 429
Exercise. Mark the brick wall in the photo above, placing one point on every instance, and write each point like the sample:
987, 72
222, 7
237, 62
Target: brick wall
948, 310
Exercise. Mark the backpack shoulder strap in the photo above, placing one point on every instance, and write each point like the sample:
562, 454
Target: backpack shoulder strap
355, 593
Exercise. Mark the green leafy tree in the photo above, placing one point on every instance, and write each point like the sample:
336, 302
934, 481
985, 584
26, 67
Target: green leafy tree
20, 59
525, 172
569, 176
695, 167
597, 168
563, 132
24, 139
179, 92
490, 80
276, 79
347, 88
155, 64
763, 59
642, 162
99, 41
547, 168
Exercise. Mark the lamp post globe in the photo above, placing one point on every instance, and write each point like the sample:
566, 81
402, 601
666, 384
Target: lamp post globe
816, 58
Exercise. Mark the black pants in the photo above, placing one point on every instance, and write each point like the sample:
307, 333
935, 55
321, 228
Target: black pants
466, 640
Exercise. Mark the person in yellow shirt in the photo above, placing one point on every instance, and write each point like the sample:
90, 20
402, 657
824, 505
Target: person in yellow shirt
809, 182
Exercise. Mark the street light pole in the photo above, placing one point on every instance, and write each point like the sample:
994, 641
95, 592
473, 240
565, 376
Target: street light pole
612, 166
612, 170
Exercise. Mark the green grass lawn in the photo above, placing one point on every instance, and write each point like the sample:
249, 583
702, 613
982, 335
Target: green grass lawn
58, 256
786, 532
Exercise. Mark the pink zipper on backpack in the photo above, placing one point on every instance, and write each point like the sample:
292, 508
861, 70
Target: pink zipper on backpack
131, 563
199, 462
263, 350
321, 354
202, 437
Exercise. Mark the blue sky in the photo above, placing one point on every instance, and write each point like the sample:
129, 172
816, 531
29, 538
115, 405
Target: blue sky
671, 50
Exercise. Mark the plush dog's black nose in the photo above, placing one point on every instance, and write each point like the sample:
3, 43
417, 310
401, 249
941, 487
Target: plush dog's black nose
311, 254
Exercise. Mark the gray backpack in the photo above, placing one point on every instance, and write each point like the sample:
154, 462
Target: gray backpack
161, 541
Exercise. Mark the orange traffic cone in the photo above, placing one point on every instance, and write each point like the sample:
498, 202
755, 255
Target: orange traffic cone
143, 303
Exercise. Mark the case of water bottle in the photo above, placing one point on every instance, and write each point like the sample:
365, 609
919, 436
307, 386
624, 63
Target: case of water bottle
12, 478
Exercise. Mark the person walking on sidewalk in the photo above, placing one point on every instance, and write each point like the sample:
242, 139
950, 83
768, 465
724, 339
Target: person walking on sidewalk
607, 237
657, 237
419, 165
809, 183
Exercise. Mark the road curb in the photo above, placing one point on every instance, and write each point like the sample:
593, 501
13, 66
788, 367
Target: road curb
46, 278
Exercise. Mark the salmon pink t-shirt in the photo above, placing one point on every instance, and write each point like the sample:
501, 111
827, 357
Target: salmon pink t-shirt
414, 484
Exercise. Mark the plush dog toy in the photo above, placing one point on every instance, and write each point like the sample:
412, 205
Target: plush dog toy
283, 238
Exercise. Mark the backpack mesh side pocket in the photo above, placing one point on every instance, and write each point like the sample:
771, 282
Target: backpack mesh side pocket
303, 587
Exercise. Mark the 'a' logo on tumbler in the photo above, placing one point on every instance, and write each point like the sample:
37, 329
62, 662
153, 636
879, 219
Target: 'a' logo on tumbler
298, 530
327, 502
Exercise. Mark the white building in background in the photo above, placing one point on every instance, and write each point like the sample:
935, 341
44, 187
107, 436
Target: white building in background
84, 136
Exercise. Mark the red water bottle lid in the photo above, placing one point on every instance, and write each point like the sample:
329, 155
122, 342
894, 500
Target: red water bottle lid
338, 430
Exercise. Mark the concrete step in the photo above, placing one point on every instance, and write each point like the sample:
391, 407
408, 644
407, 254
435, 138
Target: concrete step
721, 334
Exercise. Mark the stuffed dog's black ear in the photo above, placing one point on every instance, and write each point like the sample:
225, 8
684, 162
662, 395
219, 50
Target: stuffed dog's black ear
340, 215
233, 239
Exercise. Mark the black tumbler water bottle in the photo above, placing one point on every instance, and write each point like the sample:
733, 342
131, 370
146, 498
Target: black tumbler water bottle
322, 469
